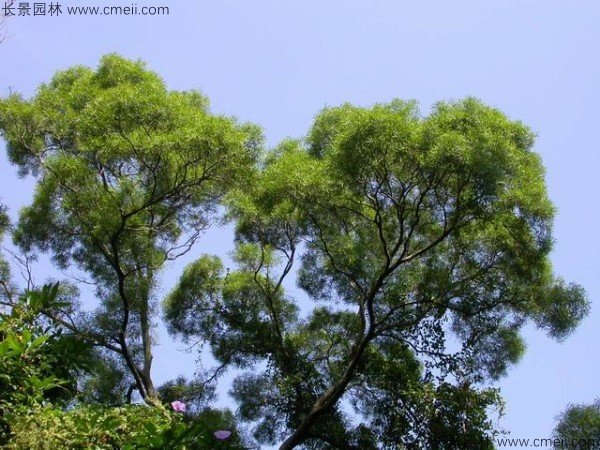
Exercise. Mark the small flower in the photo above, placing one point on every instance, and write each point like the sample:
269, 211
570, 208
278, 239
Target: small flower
222, 434
178, 406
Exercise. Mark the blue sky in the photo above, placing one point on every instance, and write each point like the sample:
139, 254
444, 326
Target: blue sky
277, 63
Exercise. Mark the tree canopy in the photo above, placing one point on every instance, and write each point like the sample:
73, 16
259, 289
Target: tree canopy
129, 175
419, 246
411, 233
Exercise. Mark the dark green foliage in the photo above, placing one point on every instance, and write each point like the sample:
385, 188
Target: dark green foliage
38, 362
194, 393
6, 288
107, 382
221, 304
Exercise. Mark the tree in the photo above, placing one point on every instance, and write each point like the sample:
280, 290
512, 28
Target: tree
422, 245
129, 175
578, 427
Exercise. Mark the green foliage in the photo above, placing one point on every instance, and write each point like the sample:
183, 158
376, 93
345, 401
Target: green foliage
194, 393
26, 352
217, 306
422, 242
128, 176
5, 277
125, 428
37, 361
415, 235
107, 382
578, 426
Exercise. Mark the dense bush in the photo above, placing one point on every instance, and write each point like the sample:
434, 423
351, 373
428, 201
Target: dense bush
39, 407
125, 428
38, 362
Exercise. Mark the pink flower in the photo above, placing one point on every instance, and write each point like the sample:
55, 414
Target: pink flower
178, 406
222, 434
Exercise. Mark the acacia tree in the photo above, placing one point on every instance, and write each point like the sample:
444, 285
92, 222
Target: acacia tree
422, 245
128, 175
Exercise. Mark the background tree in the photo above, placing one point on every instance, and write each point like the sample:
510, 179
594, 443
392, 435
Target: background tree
129, 175
578, 427
423, 245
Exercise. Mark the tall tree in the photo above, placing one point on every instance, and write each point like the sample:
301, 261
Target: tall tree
129, 174
423, 248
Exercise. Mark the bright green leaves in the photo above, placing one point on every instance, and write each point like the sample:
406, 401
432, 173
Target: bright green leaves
426, 238
359, 142
29, 144
150, 161
129, 175
559, 308
115, 71
289, 176
496, 351
428, 233
456, 196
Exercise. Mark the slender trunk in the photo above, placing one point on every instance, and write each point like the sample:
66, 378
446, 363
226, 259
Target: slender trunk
328, 399
147, 346
144, 283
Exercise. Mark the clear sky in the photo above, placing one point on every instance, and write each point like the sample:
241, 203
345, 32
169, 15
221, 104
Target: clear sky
278, 62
